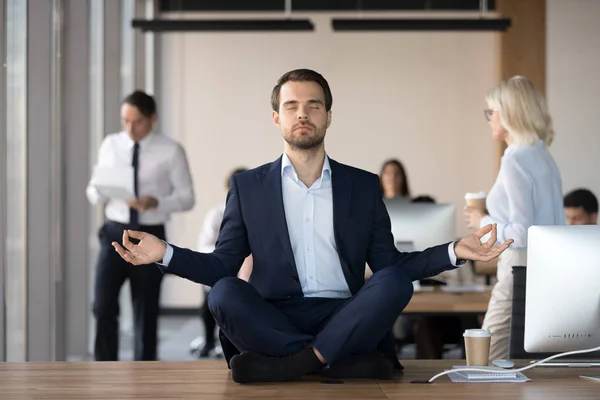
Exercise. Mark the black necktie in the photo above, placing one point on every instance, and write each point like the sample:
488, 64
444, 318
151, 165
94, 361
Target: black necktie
133, 213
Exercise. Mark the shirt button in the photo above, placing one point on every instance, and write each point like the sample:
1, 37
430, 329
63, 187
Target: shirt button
307, 219
308, 248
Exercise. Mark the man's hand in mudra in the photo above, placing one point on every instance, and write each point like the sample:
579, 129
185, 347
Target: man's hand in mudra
149, 250
471, 248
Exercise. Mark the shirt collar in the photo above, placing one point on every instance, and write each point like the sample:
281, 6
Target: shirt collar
515, 146
286, 165
143, 143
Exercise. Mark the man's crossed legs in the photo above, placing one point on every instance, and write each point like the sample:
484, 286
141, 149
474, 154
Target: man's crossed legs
279, 340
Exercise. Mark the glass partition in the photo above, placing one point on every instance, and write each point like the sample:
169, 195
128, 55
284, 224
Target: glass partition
15, 196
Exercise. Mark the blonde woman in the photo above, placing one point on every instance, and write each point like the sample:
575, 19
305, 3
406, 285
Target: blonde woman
527, 191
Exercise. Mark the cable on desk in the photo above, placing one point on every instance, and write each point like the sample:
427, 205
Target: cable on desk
506, 371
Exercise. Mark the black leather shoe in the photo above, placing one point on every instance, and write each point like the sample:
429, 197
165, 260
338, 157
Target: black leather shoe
253, 367
371, 366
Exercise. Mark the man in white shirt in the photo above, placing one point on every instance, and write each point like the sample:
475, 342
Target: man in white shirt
162, 185
311, 224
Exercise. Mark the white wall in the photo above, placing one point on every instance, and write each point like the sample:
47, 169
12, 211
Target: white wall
573, 89
414, 96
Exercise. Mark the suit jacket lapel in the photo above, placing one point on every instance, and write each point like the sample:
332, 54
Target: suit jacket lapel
342, 198
270, 181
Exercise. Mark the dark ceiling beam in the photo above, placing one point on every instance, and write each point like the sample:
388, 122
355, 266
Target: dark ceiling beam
322, 5
429, 24
223, 25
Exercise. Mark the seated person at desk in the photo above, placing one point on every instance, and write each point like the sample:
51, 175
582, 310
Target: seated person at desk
206, 244
310, 224
581, 207
393, 180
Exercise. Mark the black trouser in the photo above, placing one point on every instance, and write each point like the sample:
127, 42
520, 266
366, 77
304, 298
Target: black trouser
144, 281
209, 322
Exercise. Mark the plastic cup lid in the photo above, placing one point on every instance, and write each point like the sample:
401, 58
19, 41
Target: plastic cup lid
477, 333
475, 195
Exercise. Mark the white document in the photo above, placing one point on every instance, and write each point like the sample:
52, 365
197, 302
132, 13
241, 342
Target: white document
114, 182
591, 377
474, 376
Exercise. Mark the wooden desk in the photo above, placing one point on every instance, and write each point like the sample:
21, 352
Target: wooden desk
438, 302
211, 380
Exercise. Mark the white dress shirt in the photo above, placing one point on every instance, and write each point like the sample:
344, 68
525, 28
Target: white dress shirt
163, 173
528, 191
309, 217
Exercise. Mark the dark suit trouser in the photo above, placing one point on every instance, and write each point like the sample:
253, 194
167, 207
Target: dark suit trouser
144, 281
335, 327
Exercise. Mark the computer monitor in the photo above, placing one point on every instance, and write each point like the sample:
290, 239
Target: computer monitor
417, 226
562, 302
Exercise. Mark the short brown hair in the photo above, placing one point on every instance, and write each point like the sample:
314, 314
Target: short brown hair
143, 102
302, 75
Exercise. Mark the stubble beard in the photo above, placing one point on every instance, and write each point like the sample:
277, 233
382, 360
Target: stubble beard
306, 143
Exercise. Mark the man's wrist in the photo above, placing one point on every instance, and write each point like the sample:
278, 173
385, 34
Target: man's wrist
164, 249
459, 261
167, 256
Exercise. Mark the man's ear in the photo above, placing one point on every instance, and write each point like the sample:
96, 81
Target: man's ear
328, 118
275, 116
594, 217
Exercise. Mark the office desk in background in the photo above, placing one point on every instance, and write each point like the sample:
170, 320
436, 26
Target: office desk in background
440, 302
211, 380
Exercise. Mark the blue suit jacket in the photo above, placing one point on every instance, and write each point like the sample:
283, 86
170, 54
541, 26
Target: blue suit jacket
254, 222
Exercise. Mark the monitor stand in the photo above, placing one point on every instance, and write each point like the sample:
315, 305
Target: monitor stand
569, 363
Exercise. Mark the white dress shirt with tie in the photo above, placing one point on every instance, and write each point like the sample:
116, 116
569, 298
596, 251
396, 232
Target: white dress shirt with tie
163, 173
309, 217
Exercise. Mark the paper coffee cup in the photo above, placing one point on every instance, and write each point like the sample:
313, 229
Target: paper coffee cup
476, 200
477, 346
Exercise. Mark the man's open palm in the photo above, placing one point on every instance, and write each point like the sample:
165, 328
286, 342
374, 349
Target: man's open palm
471, 248
150, 249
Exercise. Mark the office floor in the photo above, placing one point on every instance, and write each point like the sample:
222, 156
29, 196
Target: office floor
175, 335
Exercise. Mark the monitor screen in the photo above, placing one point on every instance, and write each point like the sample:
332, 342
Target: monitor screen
562, 301
417, 226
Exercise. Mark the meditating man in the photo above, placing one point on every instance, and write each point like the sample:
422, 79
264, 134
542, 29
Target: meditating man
311, 224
